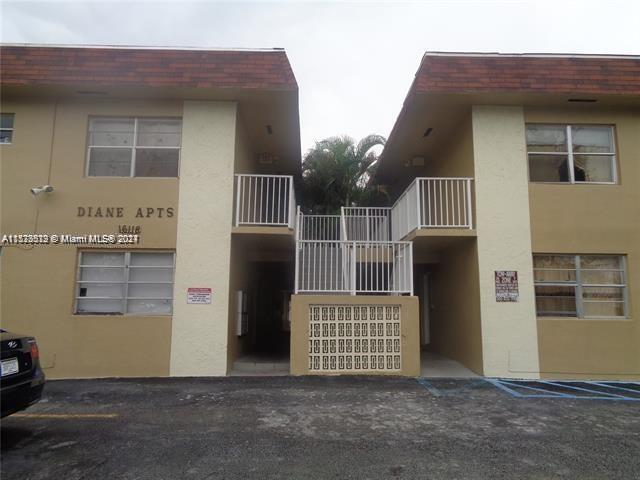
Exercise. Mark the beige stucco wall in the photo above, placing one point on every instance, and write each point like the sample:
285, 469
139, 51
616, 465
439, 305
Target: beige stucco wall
452, 158
584, 219
455, 300
245, 158
239, 275
38, 284
239, 279
199, 332
509, 330
409, 326
455, 157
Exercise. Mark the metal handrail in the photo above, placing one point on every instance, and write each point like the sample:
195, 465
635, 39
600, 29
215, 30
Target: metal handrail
264, 200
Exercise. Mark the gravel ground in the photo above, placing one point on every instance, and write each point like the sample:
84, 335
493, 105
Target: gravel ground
315, 427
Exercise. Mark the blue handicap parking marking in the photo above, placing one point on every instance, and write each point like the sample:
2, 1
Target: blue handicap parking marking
622, 386
592, 390
516, 390
433, 390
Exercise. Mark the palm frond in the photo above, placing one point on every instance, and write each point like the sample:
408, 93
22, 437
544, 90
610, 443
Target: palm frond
336, 172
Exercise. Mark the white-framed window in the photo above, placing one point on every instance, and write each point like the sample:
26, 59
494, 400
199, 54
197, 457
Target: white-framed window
6, 128
133, 147
571, 153
583, 286
134, 282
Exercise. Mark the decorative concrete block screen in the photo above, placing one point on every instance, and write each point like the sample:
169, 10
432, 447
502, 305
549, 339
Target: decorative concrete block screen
354, 338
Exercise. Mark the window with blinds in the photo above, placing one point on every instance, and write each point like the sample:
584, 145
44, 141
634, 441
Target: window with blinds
137, 283
583, 286
571, 153
134, 147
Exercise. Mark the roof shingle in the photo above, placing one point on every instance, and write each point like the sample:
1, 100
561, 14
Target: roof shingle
544, 74
99, 66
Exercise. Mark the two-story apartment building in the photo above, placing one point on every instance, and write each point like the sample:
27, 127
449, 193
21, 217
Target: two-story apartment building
511, 242
551, 147
149, 144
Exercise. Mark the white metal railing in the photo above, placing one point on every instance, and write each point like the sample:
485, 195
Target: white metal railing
437, 202
319, 227
445, 202
367, 223
325, 266
343, 227
265, 200
404, 212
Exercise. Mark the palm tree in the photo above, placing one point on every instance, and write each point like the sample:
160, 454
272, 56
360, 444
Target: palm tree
336, 173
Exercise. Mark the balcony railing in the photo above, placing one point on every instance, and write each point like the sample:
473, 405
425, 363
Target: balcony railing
367, 223
432, 203
319, 227
324, 266
267, 200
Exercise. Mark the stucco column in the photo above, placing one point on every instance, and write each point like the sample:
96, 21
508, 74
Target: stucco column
205, 209
509, 330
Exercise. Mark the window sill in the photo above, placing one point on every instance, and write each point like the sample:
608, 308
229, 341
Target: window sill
93, 315
573, 184
587, 319
130, 178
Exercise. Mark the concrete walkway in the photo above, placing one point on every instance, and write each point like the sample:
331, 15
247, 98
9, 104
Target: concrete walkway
257, 365
437, 366
432, 366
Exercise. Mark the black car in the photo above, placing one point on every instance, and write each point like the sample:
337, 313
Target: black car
22, 378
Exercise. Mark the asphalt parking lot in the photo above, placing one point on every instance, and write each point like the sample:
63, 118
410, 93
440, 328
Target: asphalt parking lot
298, 428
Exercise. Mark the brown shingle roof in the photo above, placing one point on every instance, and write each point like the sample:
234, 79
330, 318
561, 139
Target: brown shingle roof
603, 75
102, 66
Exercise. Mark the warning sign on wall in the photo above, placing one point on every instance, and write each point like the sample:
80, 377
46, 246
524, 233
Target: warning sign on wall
199, 295
506, 286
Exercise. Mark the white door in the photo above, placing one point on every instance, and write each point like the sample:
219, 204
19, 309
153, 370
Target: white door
426, 307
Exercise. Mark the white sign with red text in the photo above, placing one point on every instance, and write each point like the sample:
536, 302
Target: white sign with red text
199, 295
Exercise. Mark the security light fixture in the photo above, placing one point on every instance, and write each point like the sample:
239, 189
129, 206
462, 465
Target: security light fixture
43, 188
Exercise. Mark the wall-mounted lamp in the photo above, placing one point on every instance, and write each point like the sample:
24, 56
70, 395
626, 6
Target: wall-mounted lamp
43, 188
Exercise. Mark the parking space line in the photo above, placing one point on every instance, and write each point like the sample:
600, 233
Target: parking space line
545, 392
568, 385
613, 386
510, 386
503, 387
65, 415
433, 390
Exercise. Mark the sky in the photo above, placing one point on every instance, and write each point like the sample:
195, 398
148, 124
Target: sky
354, 61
